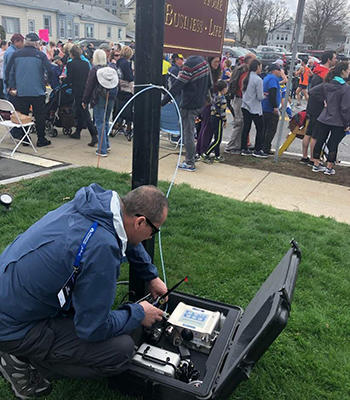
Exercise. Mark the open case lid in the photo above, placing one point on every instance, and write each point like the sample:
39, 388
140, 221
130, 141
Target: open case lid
262, 321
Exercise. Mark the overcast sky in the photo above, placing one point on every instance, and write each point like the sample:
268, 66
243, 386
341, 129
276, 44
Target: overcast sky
292, 5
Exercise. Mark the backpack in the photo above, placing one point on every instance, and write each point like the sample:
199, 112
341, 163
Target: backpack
101, 91
234, 81
298, 121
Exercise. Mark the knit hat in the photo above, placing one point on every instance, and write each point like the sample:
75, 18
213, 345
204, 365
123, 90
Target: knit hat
32, 37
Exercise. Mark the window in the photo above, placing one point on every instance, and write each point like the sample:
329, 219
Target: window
31, 25
69, 28
89, 30
76, 30
119, 34
11, 25
114, 3
109, 32
107, 2
62, 28
47, 23
278, 37
114, 12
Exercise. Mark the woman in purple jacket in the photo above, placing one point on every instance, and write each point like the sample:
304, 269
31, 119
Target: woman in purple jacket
335, 117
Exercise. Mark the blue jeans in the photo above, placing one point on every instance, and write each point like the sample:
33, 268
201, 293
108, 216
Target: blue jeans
99, 111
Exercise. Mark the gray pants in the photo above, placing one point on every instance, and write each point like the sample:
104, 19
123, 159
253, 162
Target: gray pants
235, 140
188, 126
53, 347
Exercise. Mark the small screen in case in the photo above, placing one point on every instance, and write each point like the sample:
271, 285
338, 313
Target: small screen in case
197, 319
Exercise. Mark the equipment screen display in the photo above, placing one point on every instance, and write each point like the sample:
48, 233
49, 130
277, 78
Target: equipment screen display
194, 318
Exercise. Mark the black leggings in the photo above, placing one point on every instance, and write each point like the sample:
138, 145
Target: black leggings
336, 136
216, 125
259, 125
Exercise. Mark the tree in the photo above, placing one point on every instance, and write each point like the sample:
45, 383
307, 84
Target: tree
256, 17
277, 12
268, 14
320, 17
244, 12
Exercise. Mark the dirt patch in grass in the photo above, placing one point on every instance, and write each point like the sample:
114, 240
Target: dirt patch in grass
290, 166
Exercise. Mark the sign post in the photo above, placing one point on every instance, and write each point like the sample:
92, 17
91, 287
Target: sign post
148, 69
191, 27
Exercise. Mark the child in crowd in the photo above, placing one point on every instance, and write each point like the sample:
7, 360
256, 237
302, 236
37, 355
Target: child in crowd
217, 123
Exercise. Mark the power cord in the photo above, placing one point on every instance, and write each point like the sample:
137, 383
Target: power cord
147, 87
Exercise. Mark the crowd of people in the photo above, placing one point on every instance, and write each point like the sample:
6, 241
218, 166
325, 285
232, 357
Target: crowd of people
203, 88
207, 87
101, 78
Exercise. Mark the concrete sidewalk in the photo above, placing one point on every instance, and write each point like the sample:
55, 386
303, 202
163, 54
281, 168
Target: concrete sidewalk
245, 184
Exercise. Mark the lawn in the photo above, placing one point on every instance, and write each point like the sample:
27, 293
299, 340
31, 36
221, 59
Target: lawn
228, 248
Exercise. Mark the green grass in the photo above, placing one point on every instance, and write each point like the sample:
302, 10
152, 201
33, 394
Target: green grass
228, 248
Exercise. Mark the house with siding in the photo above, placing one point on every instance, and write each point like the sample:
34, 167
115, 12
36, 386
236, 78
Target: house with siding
128, 15
63, 19
281, 35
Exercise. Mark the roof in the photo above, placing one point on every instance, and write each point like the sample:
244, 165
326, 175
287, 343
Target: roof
282, 23
130, 34
130, 4
84, 11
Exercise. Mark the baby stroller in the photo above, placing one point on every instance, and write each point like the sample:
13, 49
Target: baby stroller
59, 111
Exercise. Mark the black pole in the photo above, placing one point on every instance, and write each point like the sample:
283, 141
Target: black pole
148, 69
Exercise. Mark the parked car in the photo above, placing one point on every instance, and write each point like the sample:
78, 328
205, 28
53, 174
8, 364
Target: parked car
235, 52
268, 58
95, 42
271, 49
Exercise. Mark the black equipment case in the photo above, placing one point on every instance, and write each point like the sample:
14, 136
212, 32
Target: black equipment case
243, 339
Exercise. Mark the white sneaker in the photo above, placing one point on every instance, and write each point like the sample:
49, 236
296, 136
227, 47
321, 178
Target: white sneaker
101, 154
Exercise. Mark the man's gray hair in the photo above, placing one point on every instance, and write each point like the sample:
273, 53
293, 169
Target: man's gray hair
146, 200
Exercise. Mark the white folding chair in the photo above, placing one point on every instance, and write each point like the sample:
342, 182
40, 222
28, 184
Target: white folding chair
8, 124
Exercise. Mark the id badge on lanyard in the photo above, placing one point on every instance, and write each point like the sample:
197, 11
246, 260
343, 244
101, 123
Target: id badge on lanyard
65, 293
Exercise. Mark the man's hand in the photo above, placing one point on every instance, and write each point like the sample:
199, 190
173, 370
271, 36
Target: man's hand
276, 111
152, 314
83, 105
157, 288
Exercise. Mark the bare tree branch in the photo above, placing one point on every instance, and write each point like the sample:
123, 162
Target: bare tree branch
320, 16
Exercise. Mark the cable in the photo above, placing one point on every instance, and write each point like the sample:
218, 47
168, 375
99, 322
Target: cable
150, 86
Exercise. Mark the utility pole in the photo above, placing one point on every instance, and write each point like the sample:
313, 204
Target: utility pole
295, 42
148, 69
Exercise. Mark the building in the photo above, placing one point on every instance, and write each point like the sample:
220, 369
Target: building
347, 45
337, 43
63, 19
112, 6
281, 35
128, 15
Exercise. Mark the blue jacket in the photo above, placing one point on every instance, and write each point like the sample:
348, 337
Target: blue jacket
7, 57
56, 72
271, 82
26, 72
35, 267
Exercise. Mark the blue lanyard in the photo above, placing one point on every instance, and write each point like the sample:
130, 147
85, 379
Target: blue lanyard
82, 247
64, 294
